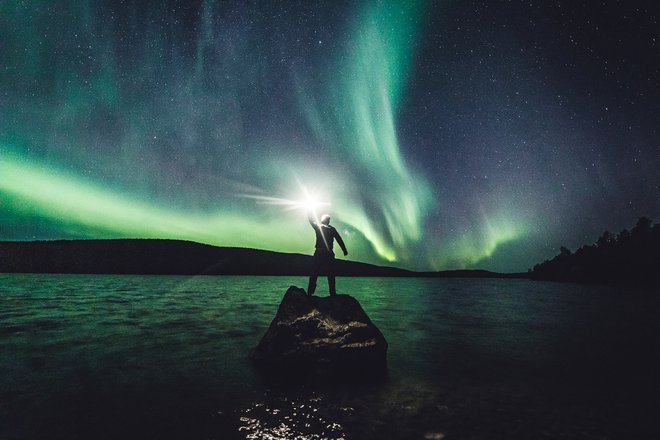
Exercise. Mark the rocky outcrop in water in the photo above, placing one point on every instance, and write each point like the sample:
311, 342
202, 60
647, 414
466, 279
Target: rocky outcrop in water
329, 335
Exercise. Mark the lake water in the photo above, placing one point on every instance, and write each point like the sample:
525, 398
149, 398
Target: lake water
104, 356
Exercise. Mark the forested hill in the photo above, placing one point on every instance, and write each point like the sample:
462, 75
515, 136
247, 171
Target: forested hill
628, 258
175, 257
152, 256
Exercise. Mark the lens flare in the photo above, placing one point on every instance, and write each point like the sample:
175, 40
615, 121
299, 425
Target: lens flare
308, 201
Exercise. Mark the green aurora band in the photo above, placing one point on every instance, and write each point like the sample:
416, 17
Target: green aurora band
380, 201
35, 189
360, 124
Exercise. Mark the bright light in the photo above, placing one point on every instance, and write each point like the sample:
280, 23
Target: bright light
308, 202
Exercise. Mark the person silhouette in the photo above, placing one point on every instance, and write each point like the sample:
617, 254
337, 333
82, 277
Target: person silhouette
323, 254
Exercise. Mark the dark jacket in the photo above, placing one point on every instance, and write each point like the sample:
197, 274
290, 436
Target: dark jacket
325, 236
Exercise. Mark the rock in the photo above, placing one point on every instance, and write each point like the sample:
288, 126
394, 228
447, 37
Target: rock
322, 335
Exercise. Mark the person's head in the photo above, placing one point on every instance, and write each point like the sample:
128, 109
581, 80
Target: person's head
325, 219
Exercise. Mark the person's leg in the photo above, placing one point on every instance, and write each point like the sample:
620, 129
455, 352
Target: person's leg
316, 265
331, 275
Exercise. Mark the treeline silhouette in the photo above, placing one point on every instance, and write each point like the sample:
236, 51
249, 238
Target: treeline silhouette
630, 258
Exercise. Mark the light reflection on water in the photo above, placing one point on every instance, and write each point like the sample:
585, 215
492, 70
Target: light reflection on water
88, 356
286, 418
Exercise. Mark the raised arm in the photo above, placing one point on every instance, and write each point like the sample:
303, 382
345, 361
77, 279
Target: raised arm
312, 220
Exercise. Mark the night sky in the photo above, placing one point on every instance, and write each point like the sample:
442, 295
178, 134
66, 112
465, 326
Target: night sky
446, 134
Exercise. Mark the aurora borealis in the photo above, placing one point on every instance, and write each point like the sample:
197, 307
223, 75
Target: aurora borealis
445, 134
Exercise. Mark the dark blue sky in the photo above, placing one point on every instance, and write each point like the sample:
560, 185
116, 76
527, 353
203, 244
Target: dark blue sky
449, 134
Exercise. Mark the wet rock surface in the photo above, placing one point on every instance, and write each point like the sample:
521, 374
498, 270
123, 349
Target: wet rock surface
322, 335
